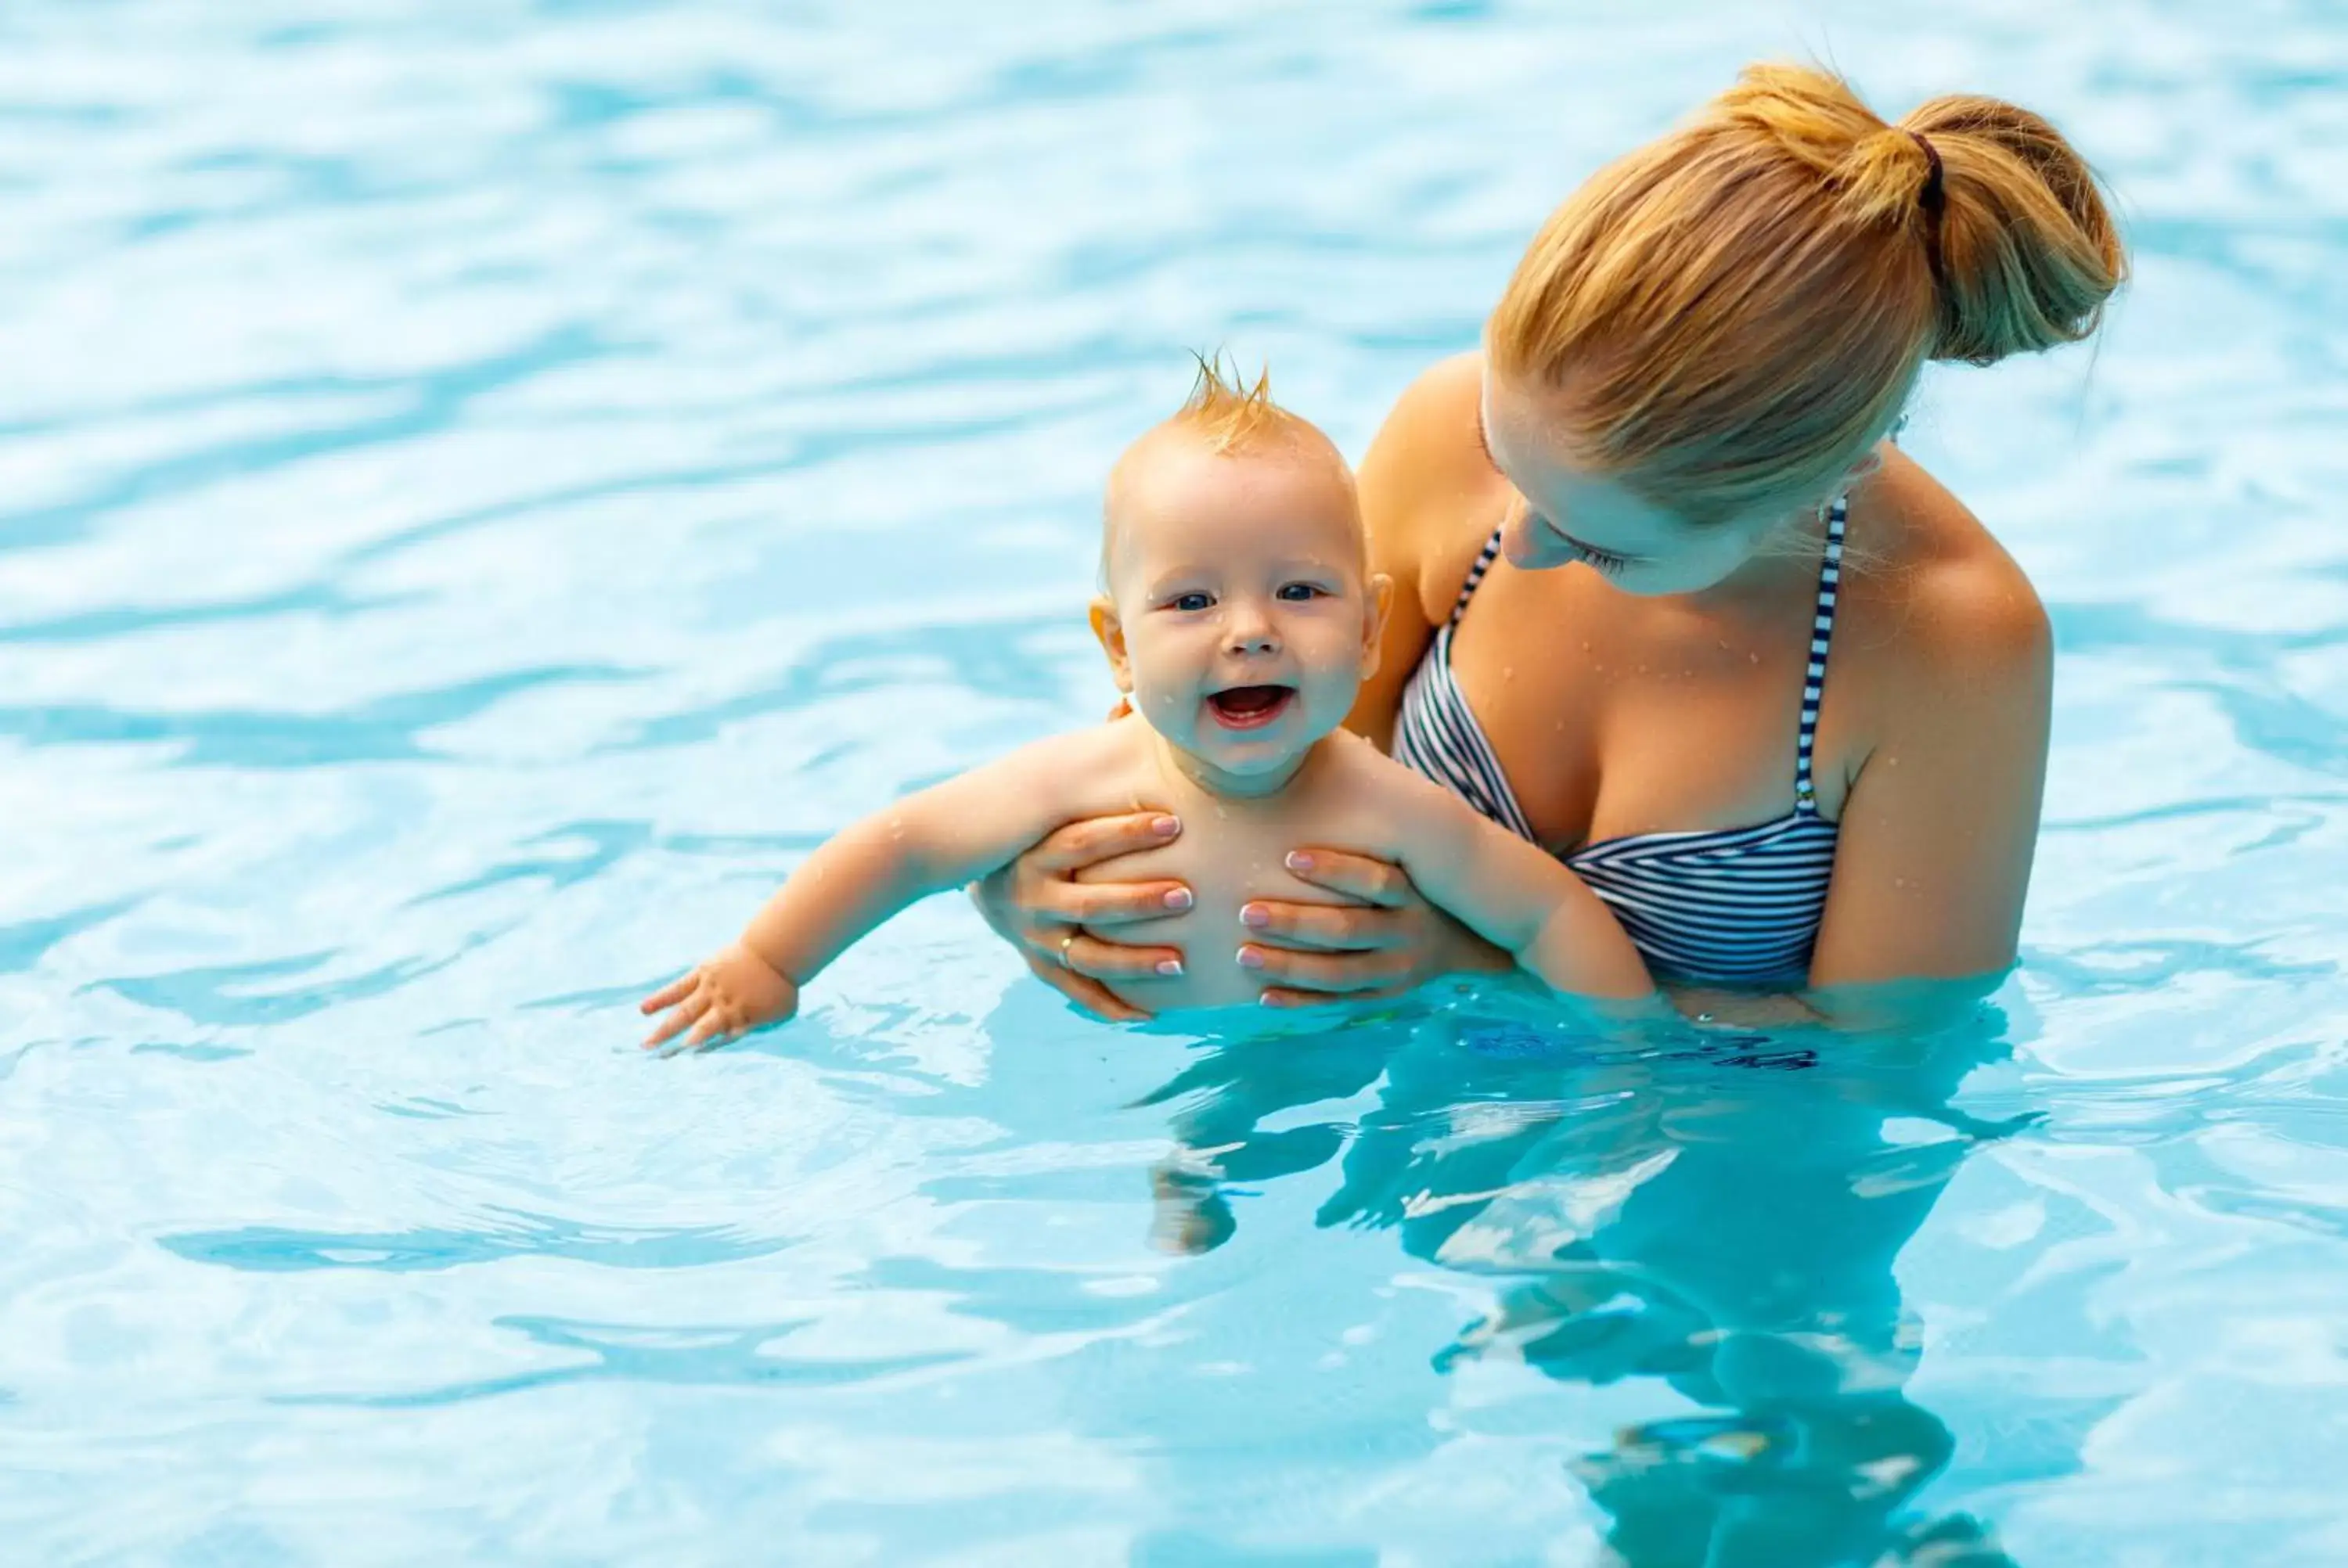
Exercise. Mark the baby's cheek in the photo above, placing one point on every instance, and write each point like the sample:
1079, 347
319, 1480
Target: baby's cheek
1160, 707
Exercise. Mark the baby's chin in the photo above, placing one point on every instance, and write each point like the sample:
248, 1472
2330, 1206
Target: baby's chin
1247, 733
1242, 757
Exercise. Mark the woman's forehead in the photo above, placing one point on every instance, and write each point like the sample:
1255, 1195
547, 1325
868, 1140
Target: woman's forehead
1529, 436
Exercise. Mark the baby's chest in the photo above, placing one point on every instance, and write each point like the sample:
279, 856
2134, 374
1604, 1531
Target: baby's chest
1225, 865
1224, 862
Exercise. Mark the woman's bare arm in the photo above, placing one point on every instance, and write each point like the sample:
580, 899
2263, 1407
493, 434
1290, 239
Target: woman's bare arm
1425, 485
1941, 820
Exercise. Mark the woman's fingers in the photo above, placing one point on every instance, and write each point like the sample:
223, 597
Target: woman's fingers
1088, 843
669, 994
1355, 875
1112, 903
1331, 927
1086, 992
1102, 960
1332, 974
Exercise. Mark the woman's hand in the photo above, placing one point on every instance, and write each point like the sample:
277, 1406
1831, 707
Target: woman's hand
1037, 906
1388, 941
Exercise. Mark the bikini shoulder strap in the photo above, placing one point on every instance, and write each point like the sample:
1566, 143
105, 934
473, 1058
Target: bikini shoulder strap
1814, 680
1484, 560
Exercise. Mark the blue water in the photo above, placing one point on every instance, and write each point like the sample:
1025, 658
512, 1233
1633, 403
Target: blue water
484, 485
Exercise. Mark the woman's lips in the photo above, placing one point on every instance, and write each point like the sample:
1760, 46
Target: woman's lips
1249, 707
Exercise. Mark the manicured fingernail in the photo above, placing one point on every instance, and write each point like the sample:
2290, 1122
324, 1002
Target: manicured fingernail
1170, 965
1178, 898
1255, 915
1250, 957
1299, 861
1167, 827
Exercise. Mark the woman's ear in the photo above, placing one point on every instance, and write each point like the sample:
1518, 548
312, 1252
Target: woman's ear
1378, 591
1111, 632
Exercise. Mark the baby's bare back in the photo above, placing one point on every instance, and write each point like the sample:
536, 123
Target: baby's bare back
1233, 850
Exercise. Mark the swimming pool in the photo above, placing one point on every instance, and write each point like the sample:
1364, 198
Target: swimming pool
487, 485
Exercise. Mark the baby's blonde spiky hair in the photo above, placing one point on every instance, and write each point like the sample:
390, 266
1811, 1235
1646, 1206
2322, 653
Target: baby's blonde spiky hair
1231, 415
1228, 416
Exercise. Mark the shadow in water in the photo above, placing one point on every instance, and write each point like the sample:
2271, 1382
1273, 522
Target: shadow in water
1716, 1211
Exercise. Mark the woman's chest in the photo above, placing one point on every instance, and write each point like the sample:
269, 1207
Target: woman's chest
1613, 715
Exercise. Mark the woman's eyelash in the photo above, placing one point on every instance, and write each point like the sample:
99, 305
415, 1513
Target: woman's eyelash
1602, 563
1605, 562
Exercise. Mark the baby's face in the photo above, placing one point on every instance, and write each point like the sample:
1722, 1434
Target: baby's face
1241, 623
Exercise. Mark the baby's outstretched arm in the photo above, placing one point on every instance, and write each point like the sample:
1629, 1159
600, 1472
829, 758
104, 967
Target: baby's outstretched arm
939, 839
1513, 893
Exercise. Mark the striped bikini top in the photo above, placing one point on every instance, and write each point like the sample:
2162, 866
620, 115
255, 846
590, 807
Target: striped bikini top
1739, 906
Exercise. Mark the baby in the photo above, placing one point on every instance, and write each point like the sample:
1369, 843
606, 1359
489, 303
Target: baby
1240, 619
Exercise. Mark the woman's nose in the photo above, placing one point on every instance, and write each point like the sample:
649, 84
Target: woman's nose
1529, 548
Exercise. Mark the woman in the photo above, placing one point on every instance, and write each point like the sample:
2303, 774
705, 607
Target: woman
1633, 534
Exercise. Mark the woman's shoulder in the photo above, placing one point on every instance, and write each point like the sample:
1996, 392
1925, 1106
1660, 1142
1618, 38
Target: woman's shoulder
1430, 497
1933, 589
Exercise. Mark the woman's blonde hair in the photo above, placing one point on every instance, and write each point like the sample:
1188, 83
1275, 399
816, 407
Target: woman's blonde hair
1736, 312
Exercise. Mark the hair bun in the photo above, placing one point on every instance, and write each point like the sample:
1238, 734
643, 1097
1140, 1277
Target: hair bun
1739, 310
2027, 249
1885, 178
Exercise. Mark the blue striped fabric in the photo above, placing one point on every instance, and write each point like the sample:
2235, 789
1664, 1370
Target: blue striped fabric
1737, 905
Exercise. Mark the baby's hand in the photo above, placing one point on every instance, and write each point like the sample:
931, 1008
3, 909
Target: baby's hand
733, 993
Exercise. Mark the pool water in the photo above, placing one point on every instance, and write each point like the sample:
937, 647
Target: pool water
484, 486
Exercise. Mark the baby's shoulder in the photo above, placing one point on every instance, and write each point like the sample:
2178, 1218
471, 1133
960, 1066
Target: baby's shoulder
1104, 769
1364, 780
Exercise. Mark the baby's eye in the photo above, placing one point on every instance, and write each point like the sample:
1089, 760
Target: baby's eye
1298, 592
1191, 601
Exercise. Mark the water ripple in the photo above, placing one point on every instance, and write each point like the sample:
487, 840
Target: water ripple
685, 1357
387, 729
274, 1250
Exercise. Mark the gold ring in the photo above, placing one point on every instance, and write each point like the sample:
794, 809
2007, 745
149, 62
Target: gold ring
1066, 943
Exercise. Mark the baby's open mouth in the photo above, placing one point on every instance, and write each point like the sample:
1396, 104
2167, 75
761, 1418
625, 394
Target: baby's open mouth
1250, 707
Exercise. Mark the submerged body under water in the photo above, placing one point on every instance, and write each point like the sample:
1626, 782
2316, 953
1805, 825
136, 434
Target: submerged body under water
483, 488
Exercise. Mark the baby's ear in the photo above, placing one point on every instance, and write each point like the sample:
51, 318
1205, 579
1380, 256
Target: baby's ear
1378, 592
1111, 632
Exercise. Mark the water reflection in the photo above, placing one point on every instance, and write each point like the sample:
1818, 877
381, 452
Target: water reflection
1716, 1212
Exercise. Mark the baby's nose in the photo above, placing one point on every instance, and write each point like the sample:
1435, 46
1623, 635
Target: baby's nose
1252, 631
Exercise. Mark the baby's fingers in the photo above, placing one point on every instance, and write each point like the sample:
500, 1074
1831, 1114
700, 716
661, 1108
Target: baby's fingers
716, 1028
669, 994
687, 1012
